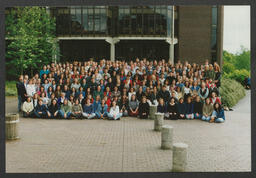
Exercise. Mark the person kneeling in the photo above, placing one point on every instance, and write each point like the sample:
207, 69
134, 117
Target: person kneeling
40, 110
65, 110
88, 111
102, 110
28, 108
114, 113
207, 110
172, 111
77, 109
218, 114
53, 109
189, 109
144, 108
198, 108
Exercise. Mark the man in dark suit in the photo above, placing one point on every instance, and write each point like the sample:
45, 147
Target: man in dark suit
22, 93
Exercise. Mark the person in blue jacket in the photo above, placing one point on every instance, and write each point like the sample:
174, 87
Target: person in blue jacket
88, 111
102, 110
218, 115
189, 108
41, 110
181, 109
96, 103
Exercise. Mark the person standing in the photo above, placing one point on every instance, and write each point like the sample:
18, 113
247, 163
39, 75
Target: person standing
22, 93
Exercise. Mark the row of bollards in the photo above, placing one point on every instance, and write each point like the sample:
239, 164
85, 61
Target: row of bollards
179, 161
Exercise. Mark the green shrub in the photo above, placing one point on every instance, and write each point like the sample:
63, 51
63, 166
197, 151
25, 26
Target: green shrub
10, 88
228, 67
231, 92
238, 75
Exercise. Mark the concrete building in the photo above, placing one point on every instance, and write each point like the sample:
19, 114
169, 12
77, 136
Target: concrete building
192, 33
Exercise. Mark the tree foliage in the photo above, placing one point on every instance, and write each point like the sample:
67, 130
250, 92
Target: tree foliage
30, 33
237, 66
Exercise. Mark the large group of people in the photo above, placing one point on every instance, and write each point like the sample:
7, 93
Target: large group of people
115, 89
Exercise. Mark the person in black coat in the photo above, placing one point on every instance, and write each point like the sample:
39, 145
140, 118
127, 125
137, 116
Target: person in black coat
143, 108
189, 108
181, 109
41, 110
172, 110
22, 93
164, 94
161, 107
198, 108
53, 109
124, 105
140, 94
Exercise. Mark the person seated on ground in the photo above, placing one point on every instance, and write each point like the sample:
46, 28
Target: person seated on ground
181, 109
114, 113
161, 107
65, 110
203, 91
28, 108
77, 109
53, 109
143, 108
189, 108
124, 105
102, 110
133, 107
40, 110
214, 98
52, 97
88, 111
218, 115
198, 108
207, 110
96, 102
171, 110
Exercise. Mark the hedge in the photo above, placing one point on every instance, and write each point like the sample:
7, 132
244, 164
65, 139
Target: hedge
231, 92
10, 88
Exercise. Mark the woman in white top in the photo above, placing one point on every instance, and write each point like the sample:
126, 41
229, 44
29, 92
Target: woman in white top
27, 108
132, 92
114, 113
44, 98
31, 88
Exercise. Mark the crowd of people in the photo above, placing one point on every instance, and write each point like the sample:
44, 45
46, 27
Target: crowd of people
115, 89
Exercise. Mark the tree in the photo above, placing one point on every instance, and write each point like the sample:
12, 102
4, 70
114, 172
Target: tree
30, 32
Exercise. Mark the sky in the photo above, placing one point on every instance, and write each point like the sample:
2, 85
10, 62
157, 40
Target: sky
236, 28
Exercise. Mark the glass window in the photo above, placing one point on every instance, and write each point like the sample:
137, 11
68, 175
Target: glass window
76, 21
214, 28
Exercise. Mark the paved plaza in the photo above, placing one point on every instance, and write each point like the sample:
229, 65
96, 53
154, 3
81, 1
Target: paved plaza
128, 145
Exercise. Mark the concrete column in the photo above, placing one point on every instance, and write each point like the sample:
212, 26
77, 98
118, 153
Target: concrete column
152, 111
167, 137
112, 42
171, 49
158, 122
180, 157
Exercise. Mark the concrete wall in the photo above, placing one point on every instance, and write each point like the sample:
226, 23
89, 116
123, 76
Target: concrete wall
194, 33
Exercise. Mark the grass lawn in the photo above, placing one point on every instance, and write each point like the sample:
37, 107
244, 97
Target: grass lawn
10, 88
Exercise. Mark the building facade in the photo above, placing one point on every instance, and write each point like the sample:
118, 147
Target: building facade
192, 33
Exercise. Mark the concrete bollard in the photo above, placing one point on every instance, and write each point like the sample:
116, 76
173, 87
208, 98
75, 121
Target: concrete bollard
11, 126
180, 156
152, 111
159, 121
167, 137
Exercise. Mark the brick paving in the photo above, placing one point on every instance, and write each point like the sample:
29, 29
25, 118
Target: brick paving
128, 145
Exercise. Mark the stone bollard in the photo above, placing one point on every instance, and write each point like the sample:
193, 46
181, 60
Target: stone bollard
167, 137
158, 122
152, 111
11, 126
180, 156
